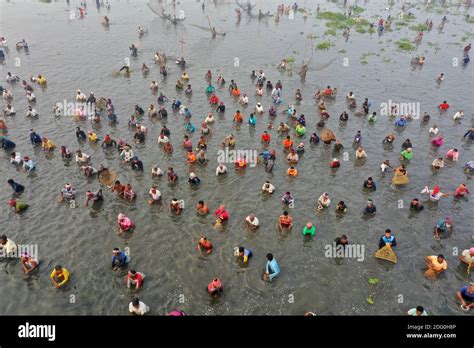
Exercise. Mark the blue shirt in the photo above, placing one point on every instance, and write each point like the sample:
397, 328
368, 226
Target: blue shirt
441, 225
466, 295
17, 187
35, 138
273, 268
119, 260
401, 123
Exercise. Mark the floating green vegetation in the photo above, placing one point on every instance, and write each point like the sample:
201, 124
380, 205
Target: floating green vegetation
332, 16
387, 60
371, 30
361, 30
370, 300
311, 36
340, 21
467, 36
469, 20
373, 281
325, 45
401, 24
342, 51
331, 32
357, 10
291, 59
419, 27
405, 45
363, 61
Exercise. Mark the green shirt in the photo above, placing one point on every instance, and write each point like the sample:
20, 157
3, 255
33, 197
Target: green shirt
407, 155
19, 206
309, 231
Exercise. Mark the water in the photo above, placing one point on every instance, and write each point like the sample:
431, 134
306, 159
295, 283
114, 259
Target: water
82, 54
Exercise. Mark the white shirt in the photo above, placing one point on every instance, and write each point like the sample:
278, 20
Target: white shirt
458, 115
141, 310
8, 249
434, 130
156, 196
383, 167
254, 222
259, 108
32, 113
268, 189
157, 171
164, 139
209, 119
466, 254
412, 312
17, 159
83, 158
221, 170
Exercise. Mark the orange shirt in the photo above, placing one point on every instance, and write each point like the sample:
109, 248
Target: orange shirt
236, 92
241, 163
285, 220
292, 172
191, 157
287, 143
238, 117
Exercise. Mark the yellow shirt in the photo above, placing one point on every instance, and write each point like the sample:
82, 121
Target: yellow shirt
63, 277
436, 266
48, 145
92, 137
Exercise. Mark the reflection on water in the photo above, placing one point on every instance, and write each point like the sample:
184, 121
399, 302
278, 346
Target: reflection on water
82, 54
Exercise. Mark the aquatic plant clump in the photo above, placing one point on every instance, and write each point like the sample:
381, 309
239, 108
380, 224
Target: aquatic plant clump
405, 45
325, 45
419, 27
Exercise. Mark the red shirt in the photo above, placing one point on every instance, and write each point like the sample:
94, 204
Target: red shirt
222, 214
137, 281
266, 137
443, 106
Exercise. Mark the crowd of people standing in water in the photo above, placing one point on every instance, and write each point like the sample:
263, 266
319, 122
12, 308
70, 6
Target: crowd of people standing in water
290, 133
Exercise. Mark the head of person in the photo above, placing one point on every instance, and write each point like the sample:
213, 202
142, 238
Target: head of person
3, 239
369, 203
419, 310
136, 302
241, 251
388, 233
116, 251
58, 268
449, 222
344, 238
132, 273
369, 179
270, 257
440, 258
